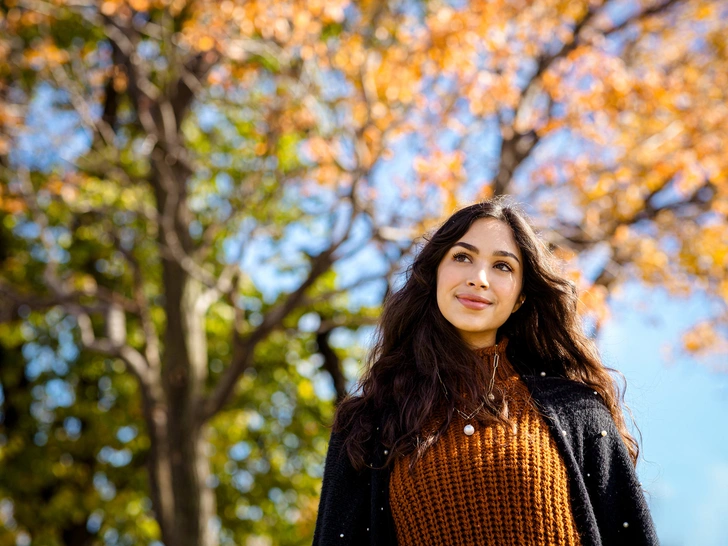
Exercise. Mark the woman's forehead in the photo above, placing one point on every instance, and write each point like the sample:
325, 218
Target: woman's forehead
489, 234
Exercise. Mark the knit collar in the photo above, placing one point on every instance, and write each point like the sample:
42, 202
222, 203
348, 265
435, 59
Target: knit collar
504, 371
499, 348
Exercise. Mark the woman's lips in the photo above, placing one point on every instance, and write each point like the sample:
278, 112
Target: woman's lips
472, 303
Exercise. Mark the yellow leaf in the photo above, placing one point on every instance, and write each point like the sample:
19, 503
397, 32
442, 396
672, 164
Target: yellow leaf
205, 43
139, 5
305, 390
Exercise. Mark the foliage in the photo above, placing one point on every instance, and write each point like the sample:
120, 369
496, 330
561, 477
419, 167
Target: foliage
203, 203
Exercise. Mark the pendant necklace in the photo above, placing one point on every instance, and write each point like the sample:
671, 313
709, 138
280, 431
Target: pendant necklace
469, 429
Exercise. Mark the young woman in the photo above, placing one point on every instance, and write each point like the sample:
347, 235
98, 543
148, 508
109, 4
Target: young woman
485, 415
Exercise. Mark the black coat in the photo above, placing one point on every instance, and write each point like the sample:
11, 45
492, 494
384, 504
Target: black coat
607, 499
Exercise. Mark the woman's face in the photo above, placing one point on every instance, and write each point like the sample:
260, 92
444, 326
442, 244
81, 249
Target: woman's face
479, 281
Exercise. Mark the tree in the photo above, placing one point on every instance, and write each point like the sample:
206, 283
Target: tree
227, 177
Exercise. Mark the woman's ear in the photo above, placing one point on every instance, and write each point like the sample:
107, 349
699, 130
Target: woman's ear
519, 302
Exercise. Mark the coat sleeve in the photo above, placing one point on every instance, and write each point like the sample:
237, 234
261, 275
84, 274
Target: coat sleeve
610, 506
615, 492
344, 499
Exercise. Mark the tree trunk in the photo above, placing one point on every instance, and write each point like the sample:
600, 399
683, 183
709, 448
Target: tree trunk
184, 503
159, 470
181, 436
179, 468
186, 360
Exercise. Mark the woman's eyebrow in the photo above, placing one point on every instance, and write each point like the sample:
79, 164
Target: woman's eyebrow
474, 250
506, 254
471, 248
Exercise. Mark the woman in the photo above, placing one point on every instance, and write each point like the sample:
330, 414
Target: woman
485, 415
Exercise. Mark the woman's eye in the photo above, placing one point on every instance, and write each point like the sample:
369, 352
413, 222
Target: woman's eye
504, 266
460, 257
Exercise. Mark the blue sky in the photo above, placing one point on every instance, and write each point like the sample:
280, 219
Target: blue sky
679, 404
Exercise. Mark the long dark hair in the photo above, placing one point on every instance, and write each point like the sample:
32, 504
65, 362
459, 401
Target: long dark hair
400, 388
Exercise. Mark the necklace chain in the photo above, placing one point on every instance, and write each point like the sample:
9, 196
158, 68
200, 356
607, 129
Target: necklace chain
469, 417
466, 417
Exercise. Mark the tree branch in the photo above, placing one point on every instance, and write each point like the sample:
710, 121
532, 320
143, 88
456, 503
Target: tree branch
660, 8
272, 320
97, 126
244, 347
151, 337
115, 346
517, 146
115, 343
332, 363
188, 84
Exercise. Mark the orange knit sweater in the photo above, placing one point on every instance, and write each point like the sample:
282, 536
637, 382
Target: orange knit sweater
500, 486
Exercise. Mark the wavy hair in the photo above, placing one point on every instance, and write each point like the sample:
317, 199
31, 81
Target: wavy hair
416, 348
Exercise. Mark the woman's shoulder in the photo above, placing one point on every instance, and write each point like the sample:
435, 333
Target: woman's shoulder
560, 392
354, 418
573, 409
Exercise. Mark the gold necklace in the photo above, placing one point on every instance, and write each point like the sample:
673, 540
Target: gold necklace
469, 429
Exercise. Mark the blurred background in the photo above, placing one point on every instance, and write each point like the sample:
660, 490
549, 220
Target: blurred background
203, 204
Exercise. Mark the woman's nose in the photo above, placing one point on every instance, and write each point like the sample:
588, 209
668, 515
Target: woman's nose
480, 279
